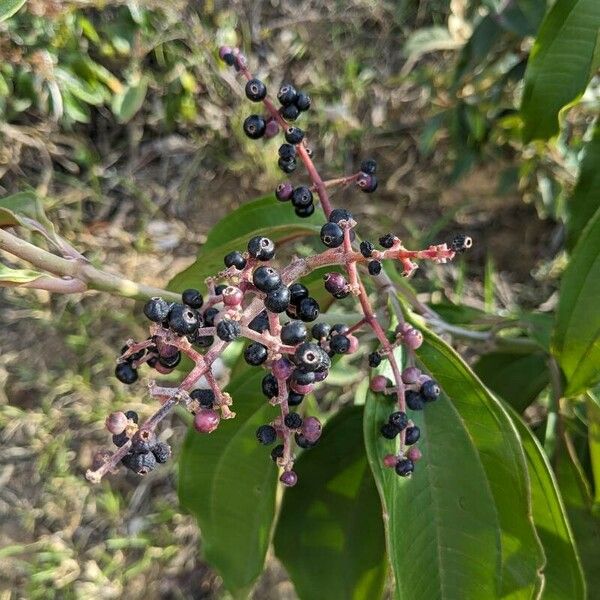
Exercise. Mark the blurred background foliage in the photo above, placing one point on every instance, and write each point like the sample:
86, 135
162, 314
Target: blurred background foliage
121, 118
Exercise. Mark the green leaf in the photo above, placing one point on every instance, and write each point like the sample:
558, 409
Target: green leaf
265, 216
10, 276
593, 418
127, 102
9, 7
563, 573
443, 533
576, 342
585, 200
330, 533
19, 208
228, 482
563, 59
502, 458
516, 378
429, 39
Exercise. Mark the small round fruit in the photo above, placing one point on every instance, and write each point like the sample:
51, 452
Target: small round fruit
366, 249
412, 435
430, 390
293, 420
410, 375
387, 240
332, 235
461, 243
303, 101
157, 309
399, 420
337, 215
162, 452
277, 452
367, 183
289, 478
269, 385
414, 400
205, 397
192, 298
183, 320
293, 332
255, 354
404, 467
256, 90
286, 94
232, 296
389, 431
235, 259
320, 331
302, 197
368, 166
266, 434
294, 135
305, 211
374, 359
261, 248
284, 191
414, 454
260, 323
340, 344
282, 368
311, 429
206, 420
228, 330
335, 283
308, 310
254, 127
374, 267
266, 279
308, 356
116, 422
141, 464
379, 383
289, 112
125, 373
278, 300
287, 151
294, 398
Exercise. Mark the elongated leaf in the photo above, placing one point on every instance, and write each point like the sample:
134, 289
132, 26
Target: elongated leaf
265, 216
10, 276
503, 460
330, 533
563, 59
516, 378
9, 7
593, 417
443, 531
20, 208
128, 101
576, 342
228, 481
585, 200
563, 572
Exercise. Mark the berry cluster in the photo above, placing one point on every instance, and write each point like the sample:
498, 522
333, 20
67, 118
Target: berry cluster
267, 305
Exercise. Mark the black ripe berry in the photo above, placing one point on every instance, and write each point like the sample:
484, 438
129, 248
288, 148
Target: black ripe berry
374, 267
320, 330
461, 243
305, 211
287, 165
256, 90
266, 434
269, 385
266, 279
387, 240
340, 328
219, 289
368, 166
205, 397
235, 259
209, 316
254, 127
303, 377
332, 235
260, 323
277, 452
367, 183
414, 400
294, 398
389, 431
308, 310
302, 197
183, 320
140, 463
286, 94
294, 135
162, 452
293, 332
157, 309
308, 356
192, 298
142, 441
261, 248
289, 112
278, 300
404, 467
293, 420
297, 293
430, 390
170, 362
132, 416
287, 151
120, 438
303, 101
399, 420
338, 215
374, 359
125, 373
412, 435
255, 354
366, 249
228, 330
339, 344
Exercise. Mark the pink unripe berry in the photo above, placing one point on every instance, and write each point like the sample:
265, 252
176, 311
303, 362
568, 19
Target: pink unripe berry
403, 328
302, 389
321, 375
422, 379
162, 369
232, 296
206, 420
413, 339
353, 344
224, 51
116, 422
282, 368
379, 383
311, 429
241, 61
289, 478
390, 460
414, 454
410, 375
272, 129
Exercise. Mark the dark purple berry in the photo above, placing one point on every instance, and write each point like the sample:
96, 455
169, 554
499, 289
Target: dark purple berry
205, 397
228, 330
294, 399
340, 214
293, 332
340, 328
278, 300
293, 420
277, 452
368, 166
461, 243
132, 415
308, 310
297, 293
289, 112
367, 183
304, 211
266, 434
192, 298
294, 135
170, 362
287, 165
414, 400
256, 90
125, 373
430, 390
387, 240
332, 235
284, 191
254, 127
142, 441
404, 467
140, 463
389, 431
266, 279
209, 316
302, 197
235, 259
320, 330
366, 249
119, 439
183, 320
157, 309
220, 289
303, 101
412, 435
374, 359
287, 151
302, 442
260, 323
339, 344
261, 248
162, 452
399, 420
255, 354
308, 356
374, 267
270, 387
302, 377
335, 283
286, 94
